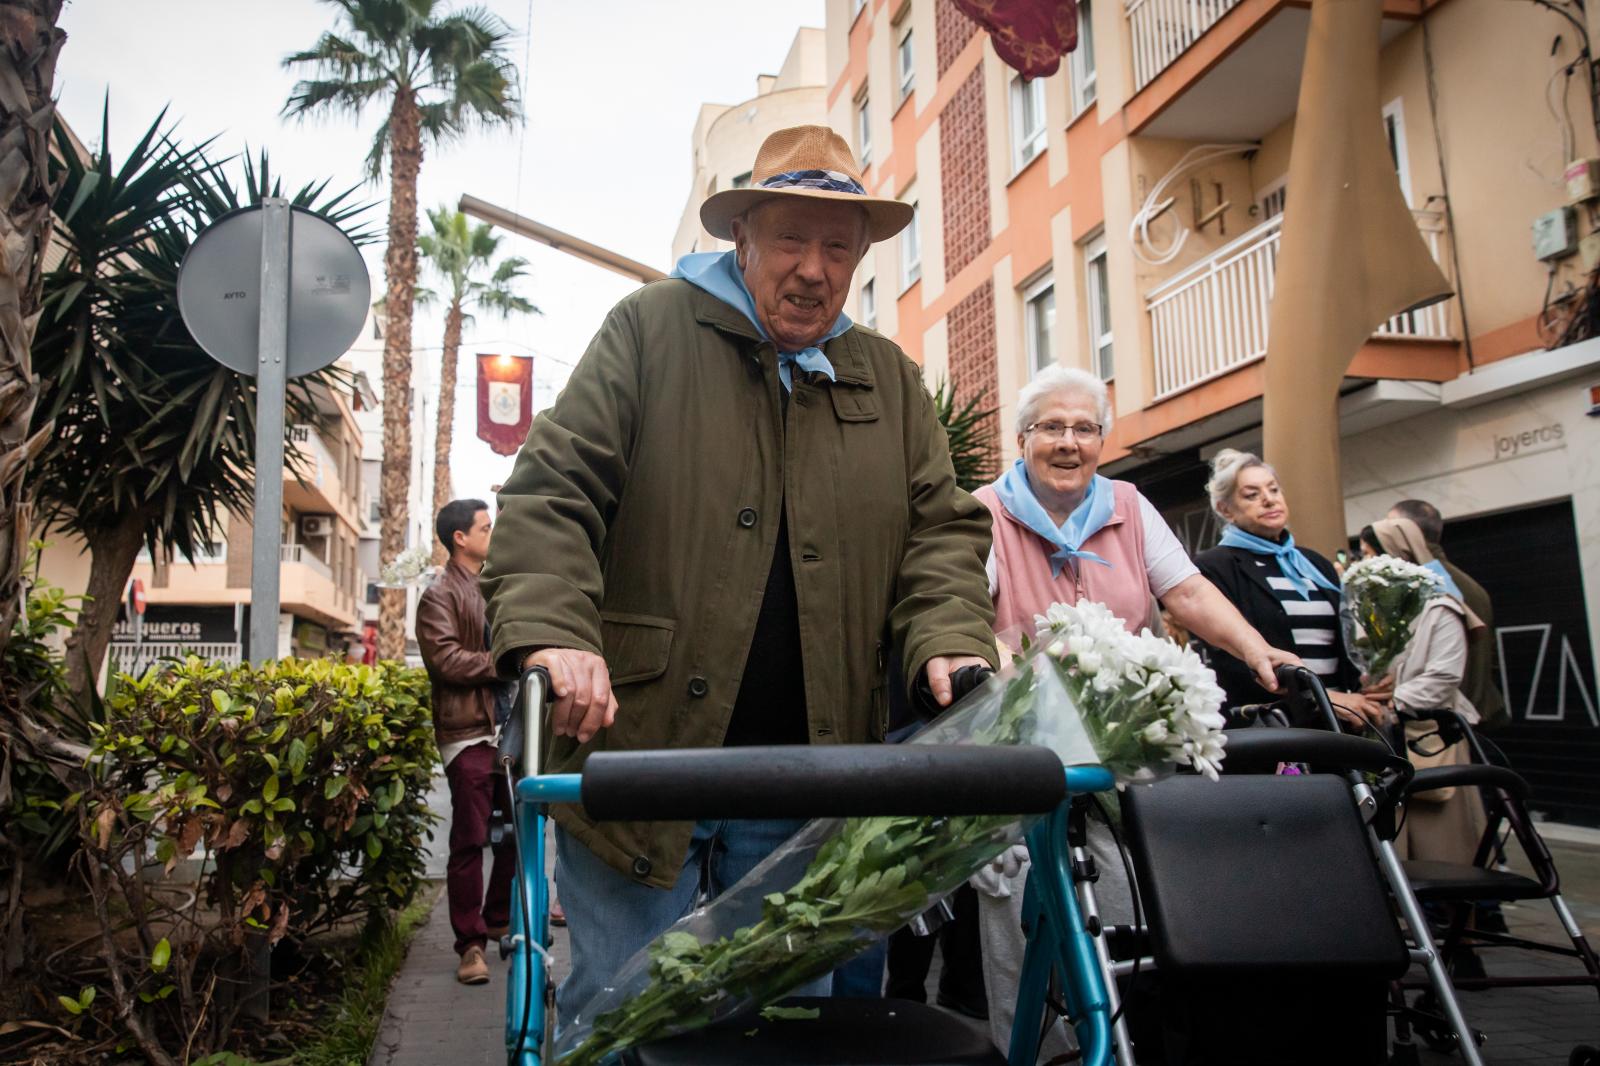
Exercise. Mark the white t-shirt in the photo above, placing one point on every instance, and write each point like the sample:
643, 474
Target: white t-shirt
1166, 564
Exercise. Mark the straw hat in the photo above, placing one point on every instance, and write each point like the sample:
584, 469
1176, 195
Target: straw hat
809, 161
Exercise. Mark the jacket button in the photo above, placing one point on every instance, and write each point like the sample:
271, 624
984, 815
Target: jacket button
698, 687
747, 517
641, 867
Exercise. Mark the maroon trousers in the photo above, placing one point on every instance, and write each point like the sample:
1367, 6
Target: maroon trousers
476, 789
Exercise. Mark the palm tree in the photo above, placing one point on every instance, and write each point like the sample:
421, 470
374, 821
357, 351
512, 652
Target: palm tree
437, 75
457, 252
29, 44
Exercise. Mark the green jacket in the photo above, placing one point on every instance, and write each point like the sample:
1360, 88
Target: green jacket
641, 517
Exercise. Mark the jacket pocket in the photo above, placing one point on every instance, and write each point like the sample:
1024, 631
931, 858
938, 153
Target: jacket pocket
637, 647
853, 404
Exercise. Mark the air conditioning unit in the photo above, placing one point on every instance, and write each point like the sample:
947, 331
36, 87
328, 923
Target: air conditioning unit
316, 525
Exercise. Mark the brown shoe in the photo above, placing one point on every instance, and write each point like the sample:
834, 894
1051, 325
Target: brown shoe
498, 931
557, 915
473, 970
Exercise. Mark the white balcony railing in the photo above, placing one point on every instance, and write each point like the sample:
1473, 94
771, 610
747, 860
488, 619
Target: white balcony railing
135, 659
299, 553
1162, 30
314, 454
1211, 318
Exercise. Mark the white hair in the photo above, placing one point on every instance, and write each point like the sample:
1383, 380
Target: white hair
1055, 381
1226, 466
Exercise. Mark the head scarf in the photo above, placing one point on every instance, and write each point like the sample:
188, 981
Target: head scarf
1300, 571
1087, 519
718, 273
1402, 538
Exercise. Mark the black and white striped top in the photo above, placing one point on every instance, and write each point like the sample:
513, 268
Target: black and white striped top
1313, 622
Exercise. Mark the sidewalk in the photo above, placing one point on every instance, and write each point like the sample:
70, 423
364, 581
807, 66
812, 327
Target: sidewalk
432, 1020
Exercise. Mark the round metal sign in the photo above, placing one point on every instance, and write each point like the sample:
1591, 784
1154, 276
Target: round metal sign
219, 291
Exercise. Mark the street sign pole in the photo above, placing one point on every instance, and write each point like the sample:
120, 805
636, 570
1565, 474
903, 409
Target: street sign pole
271, 382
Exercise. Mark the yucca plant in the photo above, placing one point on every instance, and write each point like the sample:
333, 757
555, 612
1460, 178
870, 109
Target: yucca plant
970, 426
153, 440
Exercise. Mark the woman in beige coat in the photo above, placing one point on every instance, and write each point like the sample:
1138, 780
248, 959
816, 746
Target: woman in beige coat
1446, 824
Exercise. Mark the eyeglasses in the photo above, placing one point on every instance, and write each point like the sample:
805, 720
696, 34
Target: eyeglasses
1083, 432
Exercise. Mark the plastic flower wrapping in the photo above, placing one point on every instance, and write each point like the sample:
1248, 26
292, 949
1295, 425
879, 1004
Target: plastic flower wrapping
1084, 687
1384, 596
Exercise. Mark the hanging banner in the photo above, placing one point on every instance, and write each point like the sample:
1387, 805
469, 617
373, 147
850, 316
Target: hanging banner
505, 401
1030, 36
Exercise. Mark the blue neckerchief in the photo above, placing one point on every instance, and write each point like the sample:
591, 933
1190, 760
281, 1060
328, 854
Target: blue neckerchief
1300, 571
1087, 519
718, 273
1447, 584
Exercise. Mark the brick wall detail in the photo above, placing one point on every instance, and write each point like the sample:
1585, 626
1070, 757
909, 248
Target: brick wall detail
951, 31
973, 368
964, 173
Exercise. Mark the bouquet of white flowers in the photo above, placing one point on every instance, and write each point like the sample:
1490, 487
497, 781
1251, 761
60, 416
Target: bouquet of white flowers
1146, 702
1089, 690
1383, 596
412, 567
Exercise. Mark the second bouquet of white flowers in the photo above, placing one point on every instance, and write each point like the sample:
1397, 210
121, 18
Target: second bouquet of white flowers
1145, 703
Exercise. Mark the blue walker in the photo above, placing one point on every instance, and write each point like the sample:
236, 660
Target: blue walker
1058, 944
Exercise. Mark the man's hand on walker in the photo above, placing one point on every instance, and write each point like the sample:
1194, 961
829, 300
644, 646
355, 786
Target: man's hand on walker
584, 704
939, 669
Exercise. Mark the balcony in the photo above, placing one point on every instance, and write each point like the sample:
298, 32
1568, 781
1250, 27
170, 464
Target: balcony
1211, 318
316, 486
301, 554
1162, 30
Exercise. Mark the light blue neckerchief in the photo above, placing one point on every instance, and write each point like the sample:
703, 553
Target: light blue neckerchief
1291, 560
1446, 582
1087, 519
718, 273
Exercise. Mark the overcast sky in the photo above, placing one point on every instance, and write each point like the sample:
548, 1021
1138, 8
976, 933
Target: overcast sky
612, 94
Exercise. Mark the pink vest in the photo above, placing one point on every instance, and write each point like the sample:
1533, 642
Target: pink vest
1022, 565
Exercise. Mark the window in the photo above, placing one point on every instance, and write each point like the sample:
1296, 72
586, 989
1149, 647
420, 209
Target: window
1039, 320
1273, 198
1097, 290
910, 251
869, 304
1027, 121
1083, 72
1394, 131
863, 133
742, 181
907, 64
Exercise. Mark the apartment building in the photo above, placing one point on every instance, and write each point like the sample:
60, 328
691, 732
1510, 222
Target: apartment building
1123, 216
366, 357
203, 608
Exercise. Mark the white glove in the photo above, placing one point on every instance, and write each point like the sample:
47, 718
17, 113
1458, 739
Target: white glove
1005, 871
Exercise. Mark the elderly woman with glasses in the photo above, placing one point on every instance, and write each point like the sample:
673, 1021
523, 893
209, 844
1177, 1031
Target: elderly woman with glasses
1062, 533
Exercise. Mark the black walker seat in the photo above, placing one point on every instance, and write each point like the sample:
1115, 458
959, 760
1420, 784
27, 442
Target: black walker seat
1261, 872
1271, 932
847, 1032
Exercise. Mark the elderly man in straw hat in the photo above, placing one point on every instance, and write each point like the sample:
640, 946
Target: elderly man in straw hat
740, 506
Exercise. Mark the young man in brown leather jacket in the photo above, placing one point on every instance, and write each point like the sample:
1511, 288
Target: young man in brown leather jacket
450, 634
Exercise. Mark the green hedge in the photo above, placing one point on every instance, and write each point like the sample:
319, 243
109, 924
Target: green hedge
303, 782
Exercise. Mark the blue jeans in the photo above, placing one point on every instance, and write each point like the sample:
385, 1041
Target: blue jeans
611, 917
